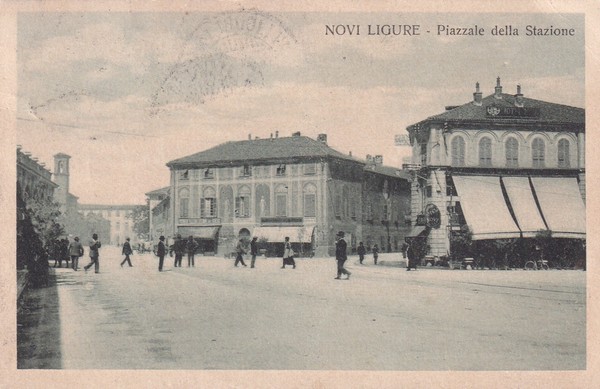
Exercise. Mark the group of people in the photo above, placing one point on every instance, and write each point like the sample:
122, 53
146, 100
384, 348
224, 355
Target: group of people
74, 250
180, 247
362, 251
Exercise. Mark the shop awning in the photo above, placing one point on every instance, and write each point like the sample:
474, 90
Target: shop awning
524, 207
561, 205
278, 233
416, 231
484, 207
209, 233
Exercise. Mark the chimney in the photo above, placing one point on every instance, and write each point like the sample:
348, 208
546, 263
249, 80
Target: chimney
498, 89
271, 136
350, 153
249, 136
519, 97
276, 134
322, 138
297, 133
477, 96
369, 159
378, 160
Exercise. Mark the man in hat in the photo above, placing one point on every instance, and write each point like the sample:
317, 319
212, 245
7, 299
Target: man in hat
253, 251
341, 256
161, 250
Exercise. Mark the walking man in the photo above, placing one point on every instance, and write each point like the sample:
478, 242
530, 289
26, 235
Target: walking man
75, 251
288, 254
127, 251
361, 252
239, 250
341, 256
94, 254
253, 252
191, 246
161, 250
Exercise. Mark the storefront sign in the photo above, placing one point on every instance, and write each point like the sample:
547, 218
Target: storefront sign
495, 111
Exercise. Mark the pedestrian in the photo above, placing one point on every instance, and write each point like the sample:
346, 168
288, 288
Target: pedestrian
239, 251
253, 251
178, 249
161, 250
375, 253
64, 250
413, 256
341, 256
361, 252
75, 251
127, 251
94, 254
288, 254
191, 247
55, 252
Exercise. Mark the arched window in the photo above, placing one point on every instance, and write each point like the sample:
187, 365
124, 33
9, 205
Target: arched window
184, 203
310, 200
485, 152
208, 203
242, 202
564, 159
512, 152
458, 151
538, 153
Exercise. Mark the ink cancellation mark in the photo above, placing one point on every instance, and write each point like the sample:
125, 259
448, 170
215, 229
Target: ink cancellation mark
224, 51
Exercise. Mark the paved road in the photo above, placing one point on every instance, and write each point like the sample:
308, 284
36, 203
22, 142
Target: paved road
215, 316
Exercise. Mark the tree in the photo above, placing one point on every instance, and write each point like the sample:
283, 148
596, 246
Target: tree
141, 221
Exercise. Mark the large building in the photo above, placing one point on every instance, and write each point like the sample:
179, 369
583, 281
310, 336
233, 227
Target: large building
121, 225
33, 178
505, 165
287, 186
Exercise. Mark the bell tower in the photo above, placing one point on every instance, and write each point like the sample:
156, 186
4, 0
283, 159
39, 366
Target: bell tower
61, 178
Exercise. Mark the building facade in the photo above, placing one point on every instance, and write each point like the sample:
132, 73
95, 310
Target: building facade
33, 178
504, 165
289, 186
159, 217
120, 225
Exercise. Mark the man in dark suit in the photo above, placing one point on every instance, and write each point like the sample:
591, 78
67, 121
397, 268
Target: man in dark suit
253, 251
127, 251
161, 250
341, 256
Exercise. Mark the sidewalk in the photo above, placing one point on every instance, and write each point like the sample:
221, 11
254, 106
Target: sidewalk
38, 326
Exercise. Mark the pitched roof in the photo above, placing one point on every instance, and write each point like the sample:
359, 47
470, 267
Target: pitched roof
160, 191
388, 171
281, 149
548, 112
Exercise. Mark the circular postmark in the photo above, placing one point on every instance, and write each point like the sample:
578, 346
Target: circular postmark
221, 52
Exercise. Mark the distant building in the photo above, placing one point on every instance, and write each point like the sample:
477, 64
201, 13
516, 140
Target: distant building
504, 165
289, 186
121, 226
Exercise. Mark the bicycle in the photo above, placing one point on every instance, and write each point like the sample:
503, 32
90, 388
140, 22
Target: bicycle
540, 264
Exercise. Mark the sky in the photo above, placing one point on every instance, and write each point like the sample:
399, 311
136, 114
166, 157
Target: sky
125, 93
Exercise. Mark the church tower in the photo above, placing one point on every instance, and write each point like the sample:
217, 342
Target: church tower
61, 177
